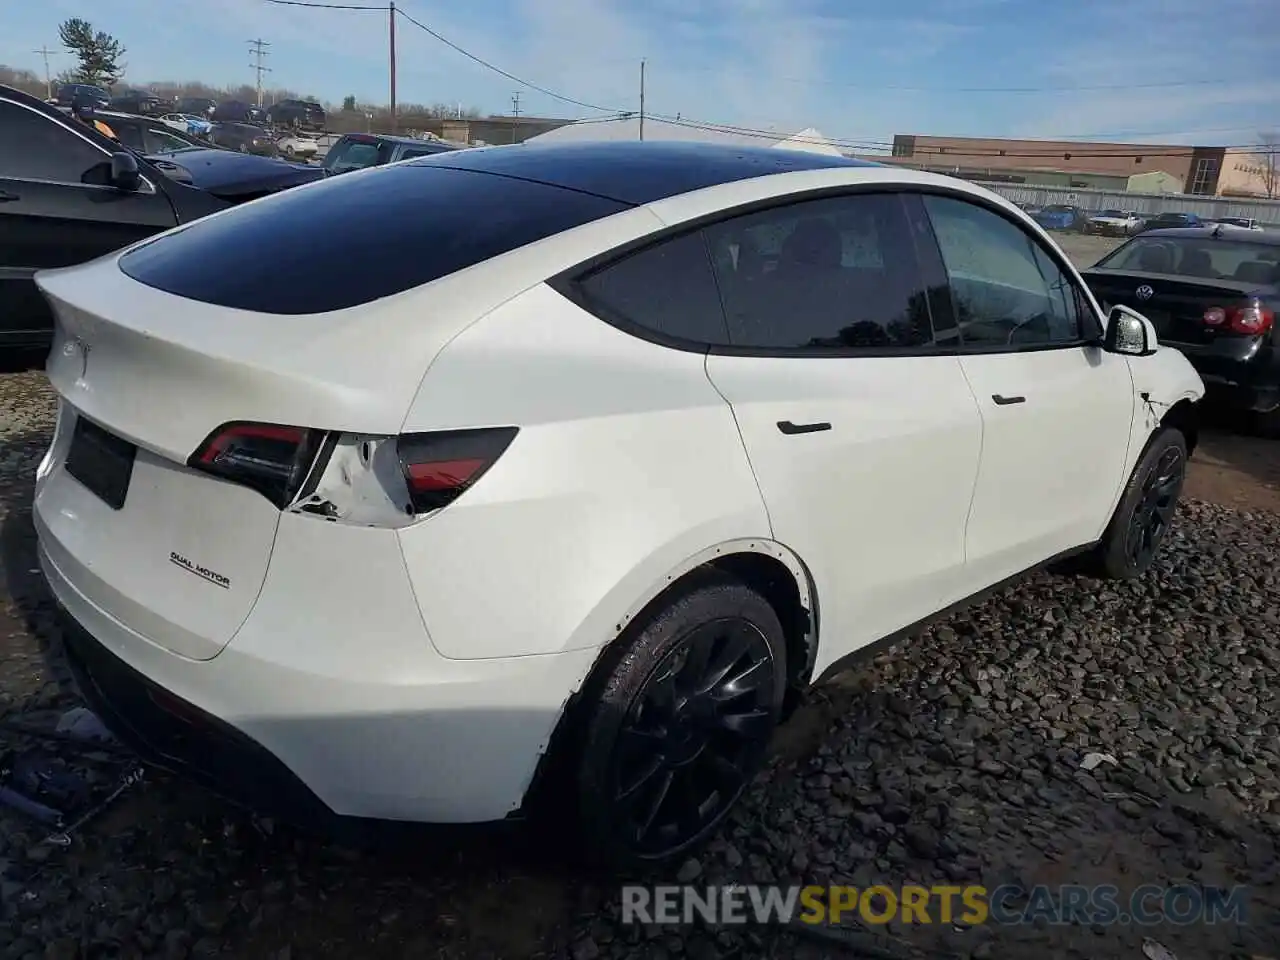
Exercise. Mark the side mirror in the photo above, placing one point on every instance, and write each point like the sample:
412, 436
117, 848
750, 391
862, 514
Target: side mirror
1129, 333
124, 172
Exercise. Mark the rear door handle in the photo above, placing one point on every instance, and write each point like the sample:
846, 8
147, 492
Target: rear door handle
7, 197
791, 429
1005, 401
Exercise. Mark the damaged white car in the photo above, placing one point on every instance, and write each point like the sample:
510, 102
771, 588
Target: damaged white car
555, 475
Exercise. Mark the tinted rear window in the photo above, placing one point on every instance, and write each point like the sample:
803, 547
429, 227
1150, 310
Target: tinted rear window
354, 239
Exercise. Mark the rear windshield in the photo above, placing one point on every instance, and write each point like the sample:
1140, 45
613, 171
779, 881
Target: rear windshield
350, 240
1057, 208
1198, 258
1112, 213
351, 155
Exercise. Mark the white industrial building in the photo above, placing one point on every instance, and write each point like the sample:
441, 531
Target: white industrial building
628, 128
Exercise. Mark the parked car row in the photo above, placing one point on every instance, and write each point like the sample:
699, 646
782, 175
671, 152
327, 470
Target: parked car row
69, 193
1114, 222
287, 114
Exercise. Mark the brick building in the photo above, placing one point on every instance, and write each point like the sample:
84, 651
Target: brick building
1061, 162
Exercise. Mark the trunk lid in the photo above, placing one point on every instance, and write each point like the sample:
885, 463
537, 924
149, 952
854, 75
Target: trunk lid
1176, 305
144, 378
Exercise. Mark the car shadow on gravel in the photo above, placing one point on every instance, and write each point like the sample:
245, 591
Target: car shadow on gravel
955, 758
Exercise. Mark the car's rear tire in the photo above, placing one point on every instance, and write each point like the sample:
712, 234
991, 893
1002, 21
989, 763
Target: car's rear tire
678, 725
1146, 509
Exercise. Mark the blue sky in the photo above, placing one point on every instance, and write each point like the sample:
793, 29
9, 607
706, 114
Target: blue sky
859, 71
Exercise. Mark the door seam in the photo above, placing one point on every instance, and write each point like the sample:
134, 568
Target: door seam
982, 439
742, 441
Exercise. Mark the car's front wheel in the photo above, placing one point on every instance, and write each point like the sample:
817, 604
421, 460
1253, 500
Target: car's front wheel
680, 724
1147, 505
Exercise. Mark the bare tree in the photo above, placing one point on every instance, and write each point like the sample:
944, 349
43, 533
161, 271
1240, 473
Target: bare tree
1270, 152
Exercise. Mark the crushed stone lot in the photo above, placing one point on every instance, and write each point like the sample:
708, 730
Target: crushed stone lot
954, 758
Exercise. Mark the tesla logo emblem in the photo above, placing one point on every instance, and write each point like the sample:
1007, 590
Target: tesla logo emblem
1144, 292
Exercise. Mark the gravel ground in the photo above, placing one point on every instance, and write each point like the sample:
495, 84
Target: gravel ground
953, 758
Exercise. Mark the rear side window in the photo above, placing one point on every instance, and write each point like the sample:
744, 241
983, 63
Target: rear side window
350, 240
668, 289
822, 275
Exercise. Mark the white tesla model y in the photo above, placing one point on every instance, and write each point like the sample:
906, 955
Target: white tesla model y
412, 493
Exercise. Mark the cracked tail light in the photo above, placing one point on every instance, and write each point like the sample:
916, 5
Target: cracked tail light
439, 467
270, 458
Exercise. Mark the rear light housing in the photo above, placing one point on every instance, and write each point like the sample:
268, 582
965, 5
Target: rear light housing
270, 458
329, 473
439, 467
1251, 319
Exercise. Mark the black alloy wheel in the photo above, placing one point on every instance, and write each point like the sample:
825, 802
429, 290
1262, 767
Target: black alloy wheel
1146, 509
678, 724
693, 735
1154, 510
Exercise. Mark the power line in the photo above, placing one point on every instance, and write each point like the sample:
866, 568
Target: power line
936, 158
908, 88
872, 146
324, 6
498, 70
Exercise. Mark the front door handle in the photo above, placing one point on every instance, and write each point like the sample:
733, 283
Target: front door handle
1005, 401
791, 429
7, 197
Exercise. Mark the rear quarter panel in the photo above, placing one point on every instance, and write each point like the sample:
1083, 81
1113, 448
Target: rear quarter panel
628, 462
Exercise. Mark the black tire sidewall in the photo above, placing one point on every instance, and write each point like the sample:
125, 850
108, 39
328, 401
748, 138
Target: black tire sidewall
1115, 560
634, 663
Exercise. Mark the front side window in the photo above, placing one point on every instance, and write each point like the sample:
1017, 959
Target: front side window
831, 274
36, 147
1006, 288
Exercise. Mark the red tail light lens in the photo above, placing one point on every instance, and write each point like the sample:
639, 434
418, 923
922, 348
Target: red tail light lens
440, 467
1251, 319
269, 458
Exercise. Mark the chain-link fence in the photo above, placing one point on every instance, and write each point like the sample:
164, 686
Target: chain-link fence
1267, 212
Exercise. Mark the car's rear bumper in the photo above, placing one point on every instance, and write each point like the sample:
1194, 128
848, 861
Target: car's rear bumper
322, 710
1249, 382
178, 736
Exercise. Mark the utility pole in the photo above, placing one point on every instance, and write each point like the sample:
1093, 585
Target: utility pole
48, 80
515, 114
393, 66
641, 98
259, 48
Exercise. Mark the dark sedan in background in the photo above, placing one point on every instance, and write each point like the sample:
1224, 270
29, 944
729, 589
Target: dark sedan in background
244, 138
70, 194
355, 151
1168, 221
140, 103
1213, 293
